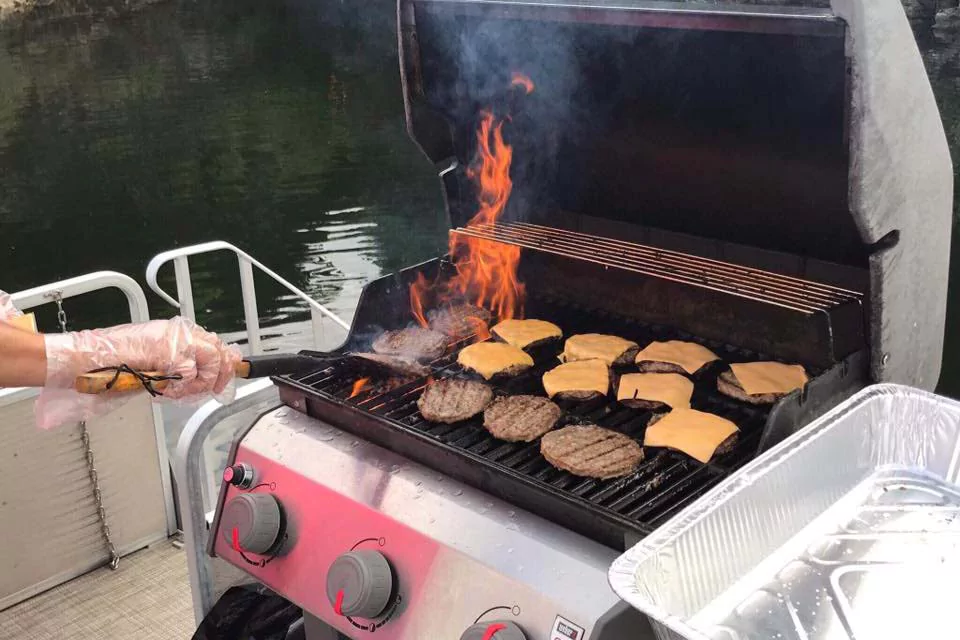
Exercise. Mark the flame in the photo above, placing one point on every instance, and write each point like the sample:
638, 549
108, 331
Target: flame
359, 386
520, 80
486, 271
418, 290
479, 328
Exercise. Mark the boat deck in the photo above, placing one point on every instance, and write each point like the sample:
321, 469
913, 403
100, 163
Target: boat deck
147, 598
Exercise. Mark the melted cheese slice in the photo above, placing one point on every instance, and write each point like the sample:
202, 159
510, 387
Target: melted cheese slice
696, 433
769, 377
490, 358
595, 346
582, 375
688, 355
522, 333
671, 389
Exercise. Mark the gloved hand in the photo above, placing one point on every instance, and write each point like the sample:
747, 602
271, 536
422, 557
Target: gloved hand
176, 346
7, 310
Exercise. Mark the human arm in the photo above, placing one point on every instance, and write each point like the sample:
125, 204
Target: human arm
178, 346
23, 357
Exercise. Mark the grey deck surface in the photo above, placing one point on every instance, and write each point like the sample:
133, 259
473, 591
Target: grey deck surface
146, 598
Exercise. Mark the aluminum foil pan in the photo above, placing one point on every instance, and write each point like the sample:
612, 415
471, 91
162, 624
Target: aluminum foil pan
848, 529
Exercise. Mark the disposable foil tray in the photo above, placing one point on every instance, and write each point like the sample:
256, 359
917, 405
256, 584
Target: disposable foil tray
848, 529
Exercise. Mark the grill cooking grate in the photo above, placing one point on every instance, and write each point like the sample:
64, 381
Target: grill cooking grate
606, 510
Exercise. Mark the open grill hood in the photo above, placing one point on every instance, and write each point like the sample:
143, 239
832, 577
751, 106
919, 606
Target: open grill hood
800, 139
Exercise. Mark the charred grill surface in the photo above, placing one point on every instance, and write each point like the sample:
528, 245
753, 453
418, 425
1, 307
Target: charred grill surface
605, 510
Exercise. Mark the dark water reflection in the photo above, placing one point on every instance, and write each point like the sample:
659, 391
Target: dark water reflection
275, 126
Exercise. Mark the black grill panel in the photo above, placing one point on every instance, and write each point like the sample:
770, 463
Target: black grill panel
664, 483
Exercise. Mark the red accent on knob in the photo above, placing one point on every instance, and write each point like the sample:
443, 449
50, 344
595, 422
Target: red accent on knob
236, 539
239, 475
492, 630
338, 605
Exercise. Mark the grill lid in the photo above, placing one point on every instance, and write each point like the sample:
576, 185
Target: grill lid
719, 122
782, 129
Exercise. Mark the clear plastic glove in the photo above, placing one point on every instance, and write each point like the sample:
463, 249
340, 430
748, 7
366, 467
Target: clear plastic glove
176, 346
7, 310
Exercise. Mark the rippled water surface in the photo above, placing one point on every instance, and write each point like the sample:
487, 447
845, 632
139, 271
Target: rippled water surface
274, 125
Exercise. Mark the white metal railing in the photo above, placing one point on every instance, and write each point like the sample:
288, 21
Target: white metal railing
184, 299
139, 312
192, 477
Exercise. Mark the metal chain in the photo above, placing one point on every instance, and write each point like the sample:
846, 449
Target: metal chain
91, 461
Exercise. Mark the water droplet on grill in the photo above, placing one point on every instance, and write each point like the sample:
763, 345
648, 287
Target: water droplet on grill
458, 492
395, 469
511, 513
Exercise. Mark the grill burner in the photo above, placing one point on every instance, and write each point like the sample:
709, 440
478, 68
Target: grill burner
610, 511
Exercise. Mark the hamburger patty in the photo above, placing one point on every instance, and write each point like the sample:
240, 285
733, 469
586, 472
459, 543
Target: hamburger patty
414, 343
453, 400
652, 366
459, 321
393, 365
591, 451
520, 418
728, 385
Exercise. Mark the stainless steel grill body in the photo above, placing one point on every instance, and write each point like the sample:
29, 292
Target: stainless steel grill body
459, 555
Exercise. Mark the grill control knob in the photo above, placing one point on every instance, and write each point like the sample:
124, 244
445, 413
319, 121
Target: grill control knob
359, 584
251, 522
239, 475
494, 630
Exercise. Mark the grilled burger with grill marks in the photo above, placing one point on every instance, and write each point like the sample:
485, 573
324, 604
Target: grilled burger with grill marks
414, 343
453, 400
520, 418
591, 451
459, 321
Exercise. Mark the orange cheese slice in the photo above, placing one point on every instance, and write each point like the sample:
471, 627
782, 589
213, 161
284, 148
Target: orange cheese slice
595, 346
490, 358
696, 433
522, 333
671, 389
688, 355
582, 375
769, 377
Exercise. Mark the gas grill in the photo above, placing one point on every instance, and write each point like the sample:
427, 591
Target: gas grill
758, 189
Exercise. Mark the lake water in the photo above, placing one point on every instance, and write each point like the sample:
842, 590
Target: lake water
277, 126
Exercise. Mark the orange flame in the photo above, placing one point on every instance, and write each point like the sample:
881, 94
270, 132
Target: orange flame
479, 328
359, 386
417, 292
486, 271
520, 80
